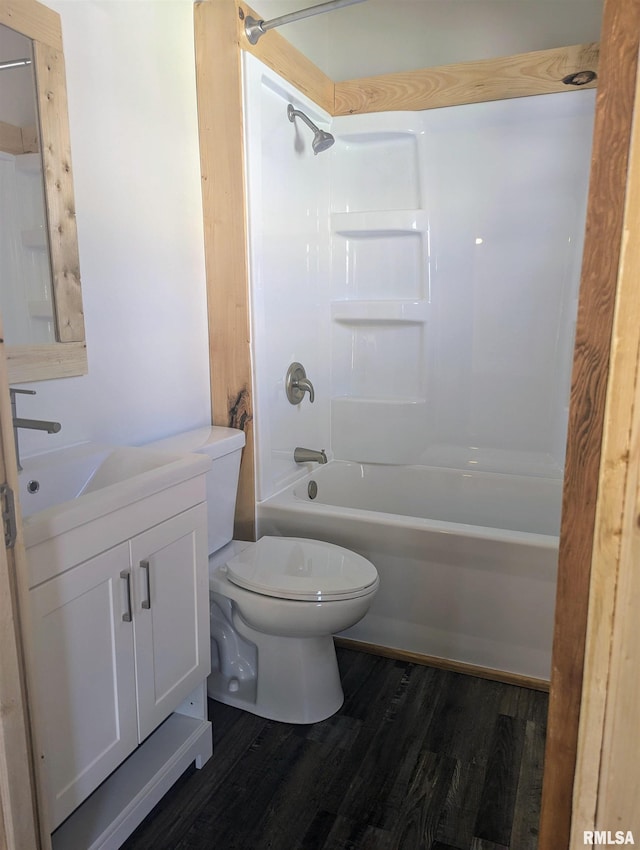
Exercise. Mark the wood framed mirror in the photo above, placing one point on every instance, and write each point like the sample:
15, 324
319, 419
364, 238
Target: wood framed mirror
64, 355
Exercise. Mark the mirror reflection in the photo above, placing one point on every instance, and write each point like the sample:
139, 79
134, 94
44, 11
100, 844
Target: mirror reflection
26, 299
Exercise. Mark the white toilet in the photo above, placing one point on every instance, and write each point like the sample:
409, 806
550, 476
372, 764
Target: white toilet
275, 604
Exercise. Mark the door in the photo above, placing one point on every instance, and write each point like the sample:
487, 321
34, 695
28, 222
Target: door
84, 670
171, 616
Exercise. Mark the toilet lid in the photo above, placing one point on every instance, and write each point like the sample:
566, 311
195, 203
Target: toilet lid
307, 570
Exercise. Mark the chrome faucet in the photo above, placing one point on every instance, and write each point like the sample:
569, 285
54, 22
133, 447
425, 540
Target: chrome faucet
301, 455
34, 424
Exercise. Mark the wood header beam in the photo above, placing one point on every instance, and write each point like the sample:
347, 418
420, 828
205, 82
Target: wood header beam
522, 75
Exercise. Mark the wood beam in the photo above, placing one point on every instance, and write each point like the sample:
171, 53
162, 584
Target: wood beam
59, 194
219, 90
539, 72
608, 755
32, 19
601, 259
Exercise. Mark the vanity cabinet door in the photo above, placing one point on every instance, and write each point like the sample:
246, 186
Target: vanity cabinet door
85, 678
171, 618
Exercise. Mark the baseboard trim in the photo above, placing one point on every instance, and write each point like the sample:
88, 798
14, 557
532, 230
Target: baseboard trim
445, 664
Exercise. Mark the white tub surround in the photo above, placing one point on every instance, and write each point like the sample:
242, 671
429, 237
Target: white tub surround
289, 254
425, 271
467, 561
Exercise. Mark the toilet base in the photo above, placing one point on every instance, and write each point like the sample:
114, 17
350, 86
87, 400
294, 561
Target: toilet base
297, 679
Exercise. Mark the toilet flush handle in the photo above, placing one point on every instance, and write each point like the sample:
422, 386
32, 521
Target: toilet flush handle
297, 384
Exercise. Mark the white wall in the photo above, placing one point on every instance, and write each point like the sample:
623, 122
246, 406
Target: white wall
133, 121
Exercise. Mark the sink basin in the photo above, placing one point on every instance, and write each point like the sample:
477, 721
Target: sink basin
63, 489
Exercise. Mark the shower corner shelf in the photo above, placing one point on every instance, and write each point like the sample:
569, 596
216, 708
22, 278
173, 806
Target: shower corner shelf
380, 312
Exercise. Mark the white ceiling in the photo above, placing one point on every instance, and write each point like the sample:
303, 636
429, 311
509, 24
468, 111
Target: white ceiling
382, 36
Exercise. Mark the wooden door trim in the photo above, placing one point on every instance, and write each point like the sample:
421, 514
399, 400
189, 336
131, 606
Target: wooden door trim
18, 816
605, 793
601, 258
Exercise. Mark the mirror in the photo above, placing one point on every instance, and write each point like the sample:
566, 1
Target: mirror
40, 296
26, 293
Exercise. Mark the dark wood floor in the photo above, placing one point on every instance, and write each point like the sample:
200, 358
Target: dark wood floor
416, 759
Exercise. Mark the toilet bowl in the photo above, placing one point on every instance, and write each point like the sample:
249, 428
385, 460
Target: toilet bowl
285, 598
275, 604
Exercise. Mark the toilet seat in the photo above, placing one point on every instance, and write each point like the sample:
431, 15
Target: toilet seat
301, 569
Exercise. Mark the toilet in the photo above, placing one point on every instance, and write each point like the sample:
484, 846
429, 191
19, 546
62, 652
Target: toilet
275, 604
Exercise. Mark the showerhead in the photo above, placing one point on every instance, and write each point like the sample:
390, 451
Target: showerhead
321, 139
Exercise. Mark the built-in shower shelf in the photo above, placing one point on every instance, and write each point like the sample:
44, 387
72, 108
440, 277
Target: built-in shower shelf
379, 222
379, 312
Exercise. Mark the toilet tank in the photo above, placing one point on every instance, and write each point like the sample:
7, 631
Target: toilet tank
224, 447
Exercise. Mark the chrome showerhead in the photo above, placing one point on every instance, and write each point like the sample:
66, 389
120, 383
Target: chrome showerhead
321, 139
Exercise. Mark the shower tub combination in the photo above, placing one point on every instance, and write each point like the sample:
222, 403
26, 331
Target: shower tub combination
476, 588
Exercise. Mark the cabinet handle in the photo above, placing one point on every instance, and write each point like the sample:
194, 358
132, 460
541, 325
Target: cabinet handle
126, 575
144, 565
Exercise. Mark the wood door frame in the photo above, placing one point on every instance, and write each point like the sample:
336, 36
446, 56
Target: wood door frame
18, 807
614, 114
583, 474
605, 795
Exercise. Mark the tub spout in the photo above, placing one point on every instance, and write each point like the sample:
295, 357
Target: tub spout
301, 455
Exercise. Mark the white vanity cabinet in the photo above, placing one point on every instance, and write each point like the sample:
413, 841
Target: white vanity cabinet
115, 622
170, 598
84, 662
119, 642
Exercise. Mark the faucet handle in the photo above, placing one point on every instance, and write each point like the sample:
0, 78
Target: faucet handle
297, 384
13, 392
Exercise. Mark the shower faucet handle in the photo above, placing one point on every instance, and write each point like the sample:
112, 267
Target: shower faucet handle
297, 384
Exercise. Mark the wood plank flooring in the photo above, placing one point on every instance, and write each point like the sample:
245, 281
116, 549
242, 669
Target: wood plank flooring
416, 759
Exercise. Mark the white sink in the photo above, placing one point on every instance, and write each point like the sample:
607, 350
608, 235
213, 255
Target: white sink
63, 489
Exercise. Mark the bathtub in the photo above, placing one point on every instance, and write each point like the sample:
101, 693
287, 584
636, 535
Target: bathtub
467, 560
